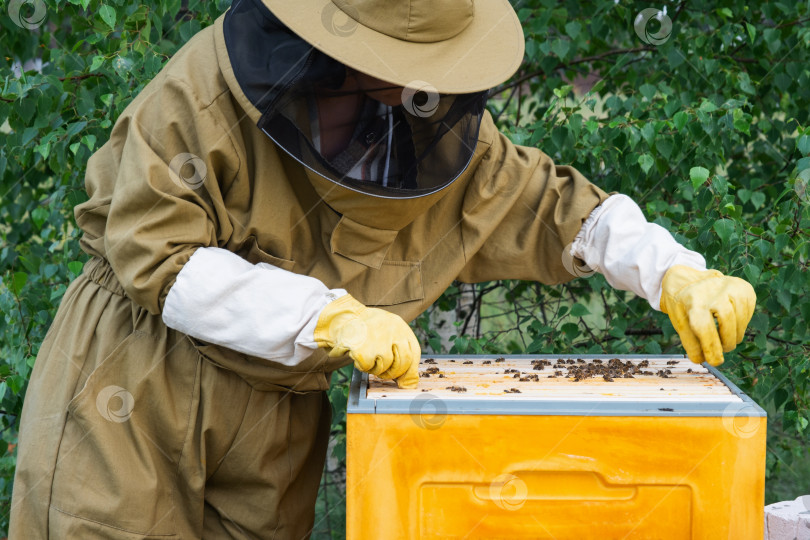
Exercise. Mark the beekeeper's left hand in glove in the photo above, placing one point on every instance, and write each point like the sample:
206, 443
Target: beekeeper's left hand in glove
379, 342
693, 299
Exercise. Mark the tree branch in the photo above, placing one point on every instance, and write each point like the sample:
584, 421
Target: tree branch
81, 77
643, 332
561, 65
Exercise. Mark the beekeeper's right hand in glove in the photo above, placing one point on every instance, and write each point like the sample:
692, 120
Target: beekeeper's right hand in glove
379, 342
693, 299
642, 257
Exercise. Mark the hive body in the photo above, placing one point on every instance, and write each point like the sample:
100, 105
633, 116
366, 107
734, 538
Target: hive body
468, 456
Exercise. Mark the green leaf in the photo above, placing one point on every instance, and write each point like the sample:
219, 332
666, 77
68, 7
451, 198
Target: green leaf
107, 14
741, 123
573, 29
75, 267
648, 91
98, 61
665, 146
39, 216
680, 119
752, 273
707, 106
803, 144
563, 91
89, 141
578, 310
757, 199
28, 135
648, 132
646, 161
18, 281
560, 47
698, 175
752, 32
559, 135
724, 228
675, 58
75, 128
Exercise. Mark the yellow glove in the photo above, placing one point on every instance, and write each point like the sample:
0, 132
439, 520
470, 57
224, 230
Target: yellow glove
693, 299
379, 342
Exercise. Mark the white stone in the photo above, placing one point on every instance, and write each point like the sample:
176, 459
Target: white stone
788, 520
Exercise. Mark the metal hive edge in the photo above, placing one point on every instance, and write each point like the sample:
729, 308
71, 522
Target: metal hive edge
358, 403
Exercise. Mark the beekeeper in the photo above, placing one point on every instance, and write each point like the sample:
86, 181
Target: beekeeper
300, 180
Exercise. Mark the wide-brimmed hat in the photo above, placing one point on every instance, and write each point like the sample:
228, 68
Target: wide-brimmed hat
455, 46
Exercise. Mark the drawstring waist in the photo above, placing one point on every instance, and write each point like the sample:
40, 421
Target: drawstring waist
263, 375
99, 271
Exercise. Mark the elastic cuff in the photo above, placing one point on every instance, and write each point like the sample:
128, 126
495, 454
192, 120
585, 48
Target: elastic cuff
582, 239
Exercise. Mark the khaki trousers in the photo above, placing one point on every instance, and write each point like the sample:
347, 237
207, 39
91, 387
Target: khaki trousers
128, 432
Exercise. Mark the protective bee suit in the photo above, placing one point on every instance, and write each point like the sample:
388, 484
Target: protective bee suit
179, 392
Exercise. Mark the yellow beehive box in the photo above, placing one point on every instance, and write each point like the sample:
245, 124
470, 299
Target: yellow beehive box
589, 447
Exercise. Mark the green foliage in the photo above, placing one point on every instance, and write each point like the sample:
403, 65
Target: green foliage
708, 130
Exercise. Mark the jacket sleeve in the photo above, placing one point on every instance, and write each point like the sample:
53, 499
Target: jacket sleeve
161, 173
521, 213
632, 253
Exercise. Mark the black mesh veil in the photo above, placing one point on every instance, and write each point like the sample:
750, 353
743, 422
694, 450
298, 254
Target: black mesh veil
414, 146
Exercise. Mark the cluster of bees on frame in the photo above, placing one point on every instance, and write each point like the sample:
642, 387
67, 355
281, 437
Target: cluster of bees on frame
579, 369
573, 369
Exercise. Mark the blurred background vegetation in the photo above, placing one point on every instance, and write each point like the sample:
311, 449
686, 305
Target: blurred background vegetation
697, 110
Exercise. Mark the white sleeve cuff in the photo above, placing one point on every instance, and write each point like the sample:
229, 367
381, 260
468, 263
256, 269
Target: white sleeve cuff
260, 310
632, 253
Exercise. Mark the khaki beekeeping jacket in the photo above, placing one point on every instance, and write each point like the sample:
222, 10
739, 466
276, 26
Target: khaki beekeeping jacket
508, 216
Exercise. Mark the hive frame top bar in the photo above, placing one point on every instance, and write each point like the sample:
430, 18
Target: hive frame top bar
427, 403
